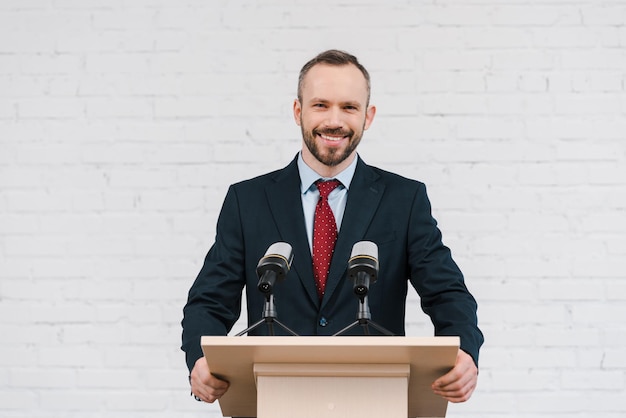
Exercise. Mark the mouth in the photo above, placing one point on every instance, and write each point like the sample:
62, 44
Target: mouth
332, 138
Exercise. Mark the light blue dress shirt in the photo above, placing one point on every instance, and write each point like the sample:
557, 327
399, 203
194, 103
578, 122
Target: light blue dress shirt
310, 195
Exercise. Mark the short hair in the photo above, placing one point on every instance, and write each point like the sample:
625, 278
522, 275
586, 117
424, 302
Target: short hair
333, 57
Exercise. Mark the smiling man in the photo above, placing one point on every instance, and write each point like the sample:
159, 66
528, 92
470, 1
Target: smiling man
332, 110
328, 187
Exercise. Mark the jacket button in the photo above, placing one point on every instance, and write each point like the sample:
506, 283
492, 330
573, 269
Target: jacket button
323, 322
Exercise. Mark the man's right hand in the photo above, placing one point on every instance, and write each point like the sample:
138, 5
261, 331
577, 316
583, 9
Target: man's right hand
204, 385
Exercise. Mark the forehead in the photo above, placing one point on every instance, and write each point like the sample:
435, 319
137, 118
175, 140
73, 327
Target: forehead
335, 82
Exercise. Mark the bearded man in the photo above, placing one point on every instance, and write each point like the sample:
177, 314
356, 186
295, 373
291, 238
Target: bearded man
365, 203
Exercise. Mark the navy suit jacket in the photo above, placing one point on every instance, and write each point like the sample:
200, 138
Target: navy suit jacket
382, 207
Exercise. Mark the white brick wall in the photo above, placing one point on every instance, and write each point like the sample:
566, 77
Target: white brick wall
123, 122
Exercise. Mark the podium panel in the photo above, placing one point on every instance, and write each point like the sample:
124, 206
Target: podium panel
331, 390
343, 374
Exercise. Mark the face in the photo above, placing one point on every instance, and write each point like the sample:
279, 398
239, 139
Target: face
332, 116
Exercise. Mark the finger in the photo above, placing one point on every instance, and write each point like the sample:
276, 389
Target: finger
209, 390
453, 381
207, 394
204, 385
217, 383
459, 391
463, 367
461, 395
448, 379
459, 386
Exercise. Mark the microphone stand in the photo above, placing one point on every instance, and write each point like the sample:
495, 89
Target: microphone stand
268, 317
364, 319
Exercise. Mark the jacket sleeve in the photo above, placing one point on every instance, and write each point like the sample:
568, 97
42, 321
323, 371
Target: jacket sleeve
439, 281
214, 300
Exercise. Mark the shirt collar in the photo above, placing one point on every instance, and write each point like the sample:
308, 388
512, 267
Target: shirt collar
308, 176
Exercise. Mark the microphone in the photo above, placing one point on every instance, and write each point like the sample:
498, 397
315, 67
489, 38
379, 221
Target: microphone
363, 266
274, 265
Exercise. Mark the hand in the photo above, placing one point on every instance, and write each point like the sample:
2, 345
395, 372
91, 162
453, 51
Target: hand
459, 383
204, 385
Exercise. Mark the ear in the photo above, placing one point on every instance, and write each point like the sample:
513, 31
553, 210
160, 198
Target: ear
297, 111
369, 116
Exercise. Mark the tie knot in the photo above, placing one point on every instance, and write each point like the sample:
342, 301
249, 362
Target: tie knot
325, 187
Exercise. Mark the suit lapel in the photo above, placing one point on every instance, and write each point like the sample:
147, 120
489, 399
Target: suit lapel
285, 204
364, 196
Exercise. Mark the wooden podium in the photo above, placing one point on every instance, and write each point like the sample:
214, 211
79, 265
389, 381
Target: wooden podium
320, 377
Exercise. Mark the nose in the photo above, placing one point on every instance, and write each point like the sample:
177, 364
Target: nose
334, 119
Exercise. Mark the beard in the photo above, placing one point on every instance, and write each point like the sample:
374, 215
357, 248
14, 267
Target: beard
332, 156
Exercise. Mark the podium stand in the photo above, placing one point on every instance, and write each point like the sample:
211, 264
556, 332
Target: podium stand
314, 377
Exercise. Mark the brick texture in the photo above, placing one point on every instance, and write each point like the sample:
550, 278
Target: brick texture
123, 122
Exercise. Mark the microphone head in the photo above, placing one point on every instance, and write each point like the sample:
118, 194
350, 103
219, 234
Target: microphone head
281, 249
364, 258
277, 258
365, 248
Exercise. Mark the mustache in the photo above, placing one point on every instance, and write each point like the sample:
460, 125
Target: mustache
334, 132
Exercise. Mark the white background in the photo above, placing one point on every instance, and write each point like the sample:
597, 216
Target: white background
123, 122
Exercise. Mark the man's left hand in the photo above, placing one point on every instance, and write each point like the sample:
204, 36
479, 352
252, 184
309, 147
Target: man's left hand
459, 383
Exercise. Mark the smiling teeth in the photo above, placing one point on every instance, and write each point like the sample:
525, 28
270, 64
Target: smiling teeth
332, 138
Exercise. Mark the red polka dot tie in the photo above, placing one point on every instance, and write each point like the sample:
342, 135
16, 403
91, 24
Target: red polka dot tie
324, 235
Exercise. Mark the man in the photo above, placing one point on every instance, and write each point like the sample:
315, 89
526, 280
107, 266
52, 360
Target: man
332, 110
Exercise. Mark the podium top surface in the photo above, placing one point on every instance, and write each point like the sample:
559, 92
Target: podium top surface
233, 358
